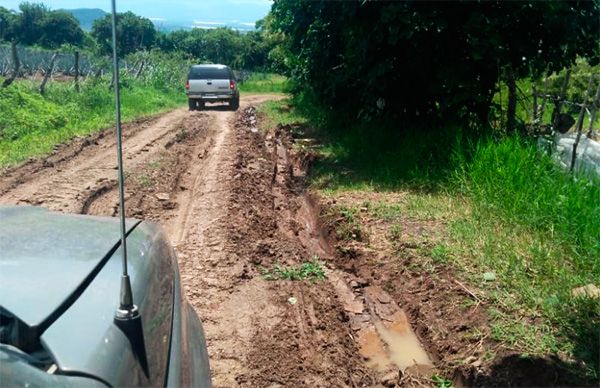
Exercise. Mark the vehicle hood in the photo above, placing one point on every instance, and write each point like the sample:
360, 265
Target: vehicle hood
46, 258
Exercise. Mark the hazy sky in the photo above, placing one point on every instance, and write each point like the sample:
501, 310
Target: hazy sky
173, 10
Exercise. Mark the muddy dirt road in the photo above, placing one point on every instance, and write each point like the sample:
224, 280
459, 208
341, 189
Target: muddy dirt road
234, 205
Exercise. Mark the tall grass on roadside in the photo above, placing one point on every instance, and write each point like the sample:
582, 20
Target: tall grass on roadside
512, 179
31, 125
264, 83
538, 228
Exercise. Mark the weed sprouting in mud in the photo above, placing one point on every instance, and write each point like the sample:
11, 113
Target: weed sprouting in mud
312, 271
441, 382
395, 233
154, 165
145, 181
347, 224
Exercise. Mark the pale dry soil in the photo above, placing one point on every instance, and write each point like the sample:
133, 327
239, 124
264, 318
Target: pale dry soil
234, 204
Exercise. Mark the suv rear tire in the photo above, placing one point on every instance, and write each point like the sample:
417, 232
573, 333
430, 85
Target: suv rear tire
234, 104
192, 104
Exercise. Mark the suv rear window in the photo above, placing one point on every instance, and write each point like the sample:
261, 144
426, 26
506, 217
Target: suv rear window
210, 73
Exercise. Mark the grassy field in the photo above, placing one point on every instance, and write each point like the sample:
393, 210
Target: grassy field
264, 83
31, 125
516, 228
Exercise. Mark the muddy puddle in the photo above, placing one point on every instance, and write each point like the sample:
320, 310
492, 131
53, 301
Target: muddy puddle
393, 344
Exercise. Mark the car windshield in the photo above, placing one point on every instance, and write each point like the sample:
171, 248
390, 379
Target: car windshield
209, 73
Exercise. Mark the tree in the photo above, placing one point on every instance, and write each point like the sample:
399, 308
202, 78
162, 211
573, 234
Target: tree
221, 45
6, 24
416, 60
134, 33
58, 28
28, 22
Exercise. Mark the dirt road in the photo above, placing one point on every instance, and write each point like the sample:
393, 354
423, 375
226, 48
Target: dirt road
234, 205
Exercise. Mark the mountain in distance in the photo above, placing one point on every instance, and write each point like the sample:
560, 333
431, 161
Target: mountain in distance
86, 16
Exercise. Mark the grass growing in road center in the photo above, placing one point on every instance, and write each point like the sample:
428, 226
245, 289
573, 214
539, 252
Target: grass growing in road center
310, 270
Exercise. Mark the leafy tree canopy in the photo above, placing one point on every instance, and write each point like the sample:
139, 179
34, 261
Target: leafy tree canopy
35, 24
7, 22
427, 59
133, 33
58, 28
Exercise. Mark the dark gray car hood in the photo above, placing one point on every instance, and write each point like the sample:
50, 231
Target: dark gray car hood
45, 257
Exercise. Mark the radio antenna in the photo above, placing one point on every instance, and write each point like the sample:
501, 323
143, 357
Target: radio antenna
126, 308
127, 317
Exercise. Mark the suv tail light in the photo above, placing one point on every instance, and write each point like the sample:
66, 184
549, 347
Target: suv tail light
231, 84
187, 85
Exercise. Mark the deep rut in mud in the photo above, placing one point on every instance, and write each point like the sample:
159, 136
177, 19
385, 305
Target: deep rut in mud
233, 203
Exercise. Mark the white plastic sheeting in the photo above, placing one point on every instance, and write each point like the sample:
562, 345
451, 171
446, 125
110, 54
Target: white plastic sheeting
588, 152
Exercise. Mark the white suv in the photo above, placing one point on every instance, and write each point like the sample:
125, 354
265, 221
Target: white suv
211, 83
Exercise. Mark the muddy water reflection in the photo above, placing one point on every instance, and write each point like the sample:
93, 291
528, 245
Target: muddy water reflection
390, 344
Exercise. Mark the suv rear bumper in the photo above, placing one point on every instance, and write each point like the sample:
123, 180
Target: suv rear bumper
213, 96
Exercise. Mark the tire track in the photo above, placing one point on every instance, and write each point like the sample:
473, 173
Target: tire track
71, 181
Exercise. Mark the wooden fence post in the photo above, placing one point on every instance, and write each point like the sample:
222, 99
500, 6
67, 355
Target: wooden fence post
580, 122
16, 64
49, 71
76, 71
559, 101
543, 104
593, 111
511, 109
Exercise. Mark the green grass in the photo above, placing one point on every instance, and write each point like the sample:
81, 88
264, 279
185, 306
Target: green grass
264, 83
273, 113
502, 207
310, 270
32, 125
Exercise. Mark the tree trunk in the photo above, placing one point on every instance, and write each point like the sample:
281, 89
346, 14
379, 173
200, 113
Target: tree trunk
77, 71
511, 110
16, 64
49, 71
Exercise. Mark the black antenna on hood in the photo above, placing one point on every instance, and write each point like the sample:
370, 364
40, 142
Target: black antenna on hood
127, 317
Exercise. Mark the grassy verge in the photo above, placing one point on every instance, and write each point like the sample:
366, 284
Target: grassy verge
512, 225
31, 125
264, 83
